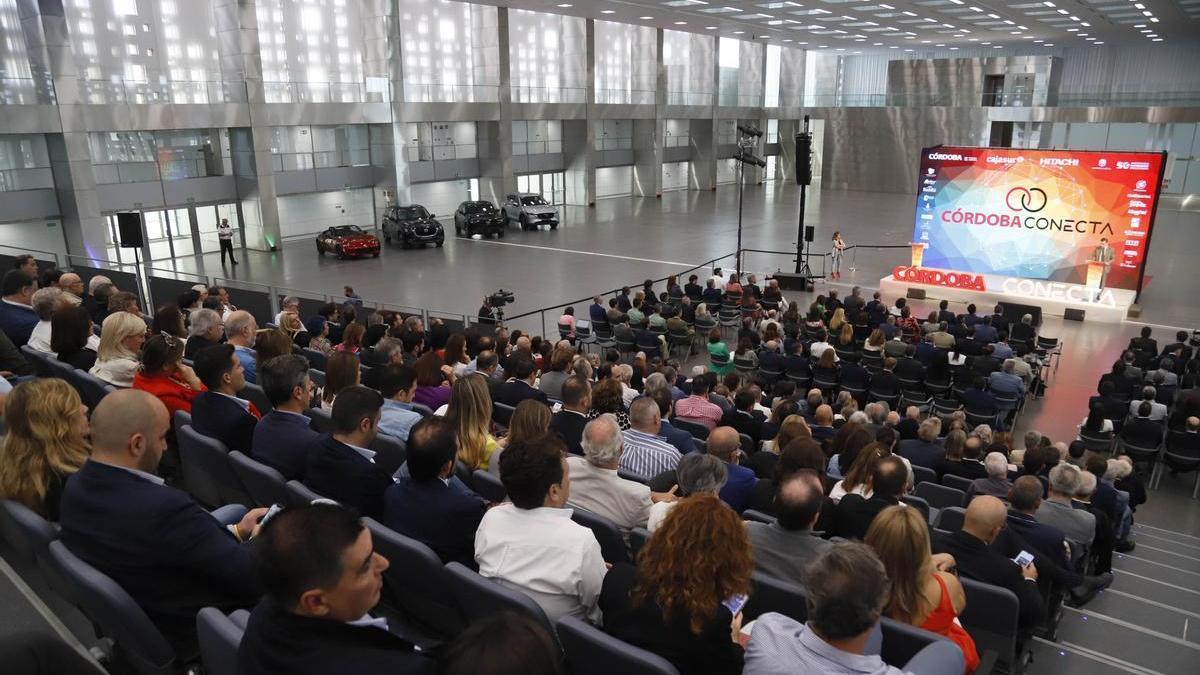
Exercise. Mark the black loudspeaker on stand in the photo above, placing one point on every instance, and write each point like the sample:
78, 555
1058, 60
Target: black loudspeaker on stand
804, 158
129, 226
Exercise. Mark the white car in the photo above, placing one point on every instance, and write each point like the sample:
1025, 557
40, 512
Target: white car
530, 210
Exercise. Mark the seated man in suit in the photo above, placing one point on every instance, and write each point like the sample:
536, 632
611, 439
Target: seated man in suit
341, 467
520, 387
854, 514
1144, 343
322, 576
885, 383
783, 548
17, 318
431, 504
219, 413
1078, 525
397, 383
1048, 543
908, 367
168, 553
924, 450
725, 444
1158, 411
568, 423
284, 439
977, 397
595, 485
976, 559
743, 417
1114, 408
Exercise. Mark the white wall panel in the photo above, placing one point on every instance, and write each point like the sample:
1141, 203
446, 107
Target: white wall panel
313, 212
441, 198
40, 235
614, 181
450, 51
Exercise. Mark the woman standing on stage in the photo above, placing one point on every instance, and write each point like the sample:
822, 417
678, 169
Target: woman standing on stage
836, 254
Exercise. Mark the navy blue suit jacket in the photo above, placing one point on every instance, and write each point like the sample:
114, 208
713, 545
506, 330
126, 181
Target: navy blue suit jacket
512, 393
920, 452
978, 399
167, 552
284, 441
1047, 539
739, 488
682, 440
222, 418
17, 322
337, 471
443, 517
598, 313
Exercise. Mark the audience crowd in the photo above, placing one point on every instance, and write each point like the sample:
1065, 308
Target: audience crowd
801, 445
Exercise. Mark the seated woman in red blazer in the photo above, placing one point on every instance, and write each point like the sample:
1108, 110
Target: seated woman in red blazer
163, 374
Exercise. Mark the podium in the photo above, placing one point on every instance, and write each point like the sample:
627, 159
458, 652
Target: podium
918, 253
1095, 273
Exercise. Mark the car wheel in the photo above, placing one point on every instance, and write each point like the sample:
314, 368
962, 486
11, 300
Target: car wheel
340, 253
440, 242
499, 235
320, 251
554, 227
375, 254
524, 223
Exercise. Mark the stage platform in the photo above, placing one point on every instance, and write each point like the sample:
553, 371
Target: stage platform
1053, 297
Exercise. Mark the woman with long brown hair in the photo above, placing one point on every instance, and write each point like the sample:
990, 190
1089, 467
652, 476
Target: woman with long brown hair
673, 604
921, 596
858, 476
352, 338
455, 354
434, 380
530, 420
342, 370
470, 415
46, 442
272, 342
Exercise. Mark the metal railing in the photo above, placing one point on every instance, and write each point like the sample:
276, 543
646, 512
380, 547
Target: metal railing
31, 178
26, 91
120, 90
523, 320
418, 92
614, 143
689, 98
323, 92
531, 94
125, 172
670, 141
730, 100
625, 96
440, 152
536, 147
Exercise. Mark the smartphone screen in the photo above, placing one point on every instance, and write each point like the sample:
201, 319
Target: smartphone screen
1024, 559
736, 603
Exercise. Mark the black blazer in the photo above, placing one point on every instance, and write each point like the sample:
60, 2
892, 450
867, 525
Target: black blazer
1047, 539
569, 427
337, 471
885, 382
976, 560
512, 393
854, 514
222, 418
284, 441
709, 653
921, 453
443, 517
169, 554
910, 369
196, 344
80, 359
278, 641
745, 423
965, 467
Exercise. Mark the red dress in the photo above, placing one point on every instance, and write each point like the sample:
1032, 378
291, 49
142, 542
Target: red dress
944, 621
174, 394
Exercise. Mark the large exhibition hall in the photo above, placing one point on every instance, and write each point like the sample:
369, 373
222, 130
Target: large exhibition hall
655, 337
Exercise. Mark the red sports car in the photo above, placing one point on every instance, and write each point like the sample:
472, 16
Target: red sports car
347, 241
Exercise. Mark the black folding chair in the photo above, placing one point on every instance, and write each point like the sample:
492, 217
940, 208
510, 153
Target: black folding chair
612, 546
768, 594
488, 486
591, 651
479, 597
940, 496
219, 639
416, 584
265, 485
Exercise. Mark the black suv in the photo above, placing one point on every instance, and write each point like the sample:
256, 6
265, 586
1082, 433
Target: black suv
481, 218
412, 226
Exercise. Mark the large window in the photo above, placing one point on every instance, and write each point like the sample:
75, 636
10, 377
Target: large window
772, 83
547, 57
625, 63
451, 51
311, 50
688, 58
536, 137
24, 163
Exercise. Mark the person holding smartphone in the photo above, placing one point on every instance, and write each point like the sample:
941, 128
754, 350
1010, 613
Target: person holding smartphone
684, 599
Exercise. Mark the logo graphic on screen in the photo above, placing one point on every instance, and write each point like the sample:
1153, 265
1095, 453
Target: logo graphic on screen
1036, 214
1024, 199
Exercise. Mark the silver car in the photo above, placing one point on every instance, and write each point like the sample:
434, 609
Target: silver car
530, 210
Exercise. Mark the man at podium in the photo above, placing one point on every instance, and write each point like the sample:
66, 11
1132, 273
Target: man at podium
1103, 254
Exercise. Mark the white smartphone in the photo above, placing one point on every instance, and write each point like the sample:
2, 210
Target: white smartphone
275, 508
1024, 559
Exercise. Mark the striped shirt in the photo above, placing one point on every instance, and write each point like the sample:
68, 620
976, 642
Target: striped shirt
699, 409
647, 455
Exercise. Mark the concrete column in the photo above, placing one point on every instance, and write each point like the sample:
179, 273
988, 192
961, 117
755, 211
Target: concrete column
494, 139
648, 135
579, 136
52, 60
383, 58
785, 165
241, 60
703, 172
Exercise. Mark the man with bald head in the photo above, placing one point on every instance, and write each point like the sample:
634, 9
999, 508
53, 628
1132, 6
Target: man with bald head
240, 331
72, 287
725, 443
784, 548
822, 426
979, 556
167, 552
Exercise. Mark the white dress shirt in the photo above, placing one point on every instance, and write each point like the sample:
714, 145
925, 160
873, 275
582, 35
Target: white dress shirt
544, 554
39, 339
603, 492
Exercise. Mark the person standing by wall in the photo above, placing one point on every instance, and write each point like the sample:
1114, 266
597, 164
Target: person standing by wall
836, 253
225, 236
